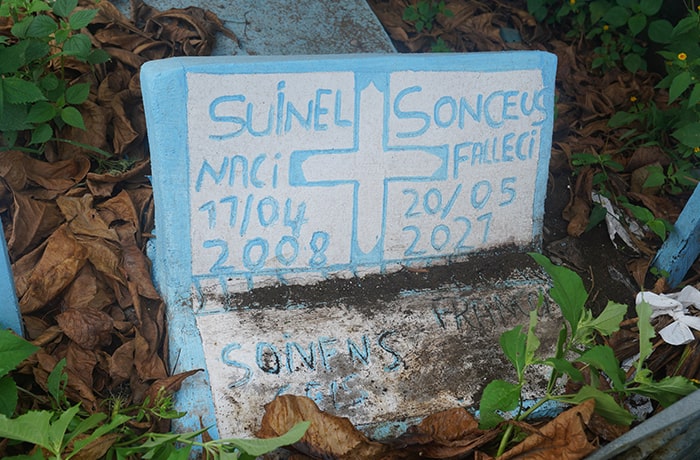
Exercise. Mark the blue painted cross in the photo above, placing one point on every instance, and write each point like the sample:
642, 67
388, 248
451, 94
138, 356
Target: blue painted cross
378, 164
682, 247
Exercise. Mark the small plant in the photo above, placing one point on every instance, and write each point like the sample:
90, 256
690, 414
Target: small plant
36, 94
66, 431
577, 345
424, 13
617, 25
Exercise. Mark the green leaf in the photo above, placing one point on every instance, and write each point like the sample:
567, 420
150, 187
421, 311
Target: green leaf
57, 381
568, 290
72, 117
650, 7
637, 23
13, 118
646, 332
565, 367
41, 134
98, 56
634, 62
19, 91
660, 31
608, 321
513, 343
689, 134
89, 423
598, 213
13, 350
616, 16
655, 178
41, 112
668, 390
533, 342
598, 9
19, 29
78, 93
63, 8
498, 395
78, 45
41, 27
258, 447
57, 430
603, 358
658, 227
81, 18
605, 405
622, 119
8, 396
36, 50
680, 83
694, 97
32, 427
684, 25
11, 57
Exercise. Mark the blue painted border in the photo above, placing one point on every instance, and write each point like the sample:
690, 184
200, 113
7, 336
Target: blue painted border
682, 247
165, 100
10, 316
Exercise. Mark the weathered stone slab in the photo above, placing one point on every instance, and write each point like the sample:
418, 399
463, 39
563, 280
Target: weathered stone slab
285, 27
378, 351
285, 171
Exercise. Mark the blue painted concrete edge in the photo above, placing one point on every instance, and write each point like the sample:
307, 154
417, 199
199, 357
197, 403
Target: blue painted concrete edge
173, 261
165, 101
682, 247
10, 316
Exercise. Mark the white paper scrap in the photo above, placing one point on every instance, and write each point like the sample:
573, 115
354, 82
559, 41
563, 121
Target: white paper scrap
676, 306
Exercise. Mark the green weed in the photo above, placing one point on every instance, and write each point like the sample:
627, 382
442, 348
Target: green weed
36, 95
577, 344
66, 430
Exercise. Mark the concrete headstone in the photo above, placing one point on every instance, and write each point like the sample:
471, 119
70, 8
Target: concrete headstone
281, 171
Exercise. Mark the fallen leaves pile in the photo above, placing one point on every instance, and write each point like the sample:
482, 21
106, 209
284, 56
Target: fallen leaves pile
449, 434
77, 225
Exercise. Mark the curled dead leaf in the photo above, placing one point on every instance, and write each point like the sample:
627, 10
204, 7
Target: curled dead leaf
328, 436
562, 438
88, 327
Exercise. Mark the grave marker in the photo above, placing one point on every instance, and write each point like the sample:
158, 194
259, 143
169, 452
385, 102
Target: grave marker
282, 171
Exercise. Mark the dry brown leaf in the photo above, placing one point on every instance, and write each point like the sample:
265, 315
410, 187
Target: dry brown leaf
102, 185
81, 362
122, 363
88, 327
61, 260
579, 208
149, 366
564, 438
97, 448
136, 263
83, 219
452, 433
87, 290
168, 385
33, 220
328, 436
639, 268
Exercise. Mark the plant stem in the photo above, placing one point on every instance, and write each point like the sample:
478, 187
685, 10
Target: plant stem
505, 440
